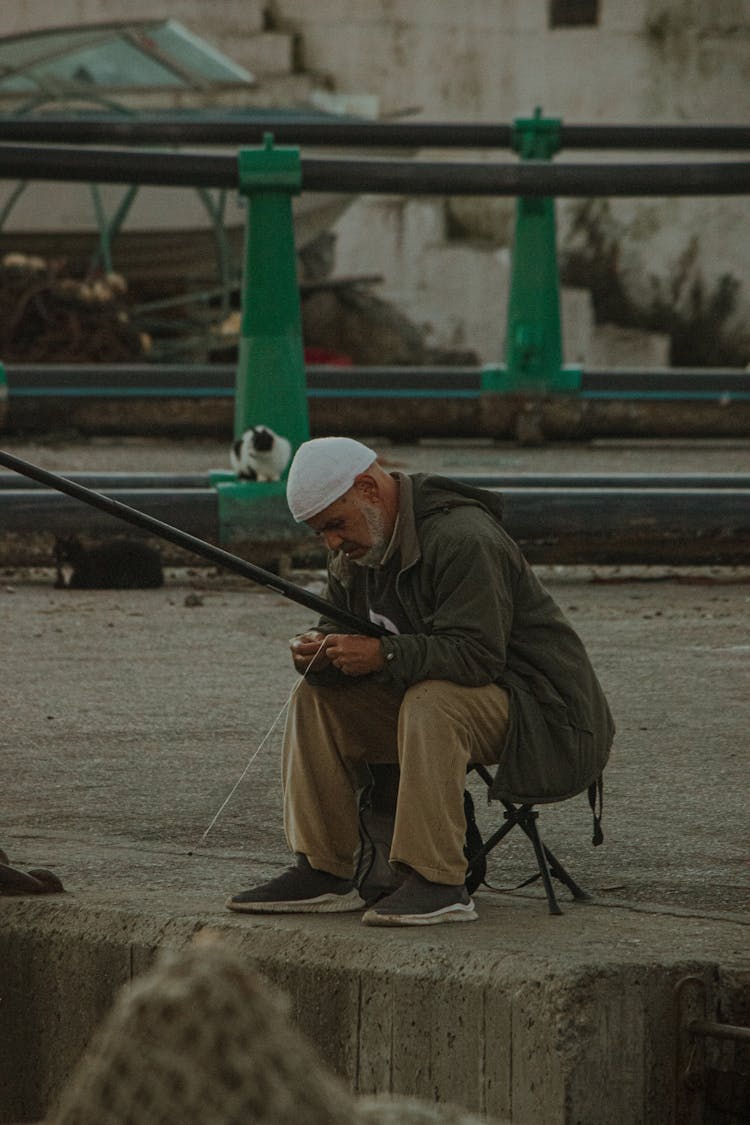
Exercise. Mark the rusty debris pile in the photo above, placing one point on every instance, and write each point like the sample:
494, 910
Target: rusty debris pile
48, 316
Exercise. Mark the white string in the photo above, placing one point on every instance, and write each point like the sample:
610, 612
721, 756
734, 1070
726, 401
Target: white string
295, 687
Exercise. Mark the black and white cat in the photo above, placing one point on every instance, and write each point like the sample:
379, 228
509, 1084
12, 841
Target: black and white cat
260, 454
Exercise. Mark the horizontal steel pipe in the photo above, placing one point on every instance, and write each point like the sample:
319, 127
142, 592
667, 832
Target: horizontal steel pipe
37, 380
655, 137
53, 376
610, 481
205, 379
109, 482
229, 128
594, 526
374, 176
676, 380
165, 169
25, 509
81, 377
526, 179
688, 527
712, 1029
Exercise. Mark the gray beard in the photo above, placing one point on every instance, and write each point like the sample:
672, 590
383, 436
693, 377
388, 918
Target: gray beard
374, 556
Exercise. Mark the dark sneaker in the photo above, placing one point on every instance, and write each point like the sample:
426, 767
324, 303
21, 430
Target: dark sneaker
300, 889
418, 902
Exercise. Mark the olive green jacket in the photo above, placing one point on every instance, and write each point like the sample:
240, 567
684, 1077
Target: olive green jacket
480, 615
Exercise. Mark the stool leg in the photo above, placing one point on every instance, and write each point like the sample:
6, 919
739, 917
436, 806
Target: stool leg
528, 823
494, 839
558, 872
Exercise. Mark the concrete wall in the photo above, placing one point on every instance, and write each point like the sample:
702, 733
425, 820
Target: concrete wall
675, 267
645, 60
507, 1035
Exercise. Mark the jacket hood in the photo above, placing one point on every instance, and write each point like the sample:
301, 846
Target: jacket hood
433, 493
425, 495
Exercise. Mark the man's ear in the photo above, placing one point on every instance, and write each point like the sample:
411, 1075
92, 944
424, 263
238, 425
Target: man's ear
367, 487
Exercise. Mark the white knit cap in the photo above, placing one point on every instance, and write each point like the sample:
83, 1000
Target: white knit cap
322, 471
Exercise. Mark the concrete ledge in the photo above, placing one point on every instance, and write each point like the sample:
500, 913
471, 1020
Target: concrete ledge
521, 1015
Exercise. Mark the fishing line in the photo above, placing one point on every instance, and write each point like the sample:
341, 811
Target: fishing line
295, 687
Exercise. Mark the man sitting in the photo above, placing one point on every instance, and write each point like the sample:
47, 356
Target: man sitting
478, 665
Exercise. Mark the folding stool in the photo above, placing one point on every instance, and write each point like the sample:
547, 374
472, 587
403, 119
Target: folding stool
549, 867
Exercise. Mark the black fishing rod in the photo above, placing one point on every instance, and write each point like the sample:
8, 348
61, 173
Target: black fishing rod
191, 543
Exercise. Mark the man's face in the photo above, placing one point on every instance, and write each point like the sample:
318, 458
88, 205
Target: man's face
355, 527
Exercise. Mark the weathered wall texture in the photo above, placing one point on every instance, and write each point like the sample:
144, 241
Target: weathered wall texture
673, 267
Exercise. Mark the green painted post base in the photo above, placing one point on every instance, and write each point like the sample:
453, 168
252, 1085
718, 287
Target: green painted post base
253, 515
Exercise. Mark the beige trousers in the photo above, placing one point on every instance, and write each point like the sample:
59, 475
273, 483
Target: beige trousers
433, 731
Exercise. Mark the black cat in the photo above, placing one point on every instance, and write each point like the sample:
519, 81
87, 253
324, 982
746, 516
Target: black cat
117, 564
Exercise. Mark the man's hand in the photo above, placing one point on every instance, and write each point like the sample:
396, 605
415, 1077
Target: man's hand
354, 655
308, 652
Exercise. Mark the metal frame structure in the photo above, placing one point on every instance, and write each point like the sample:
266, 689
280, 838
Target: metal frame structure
270, 377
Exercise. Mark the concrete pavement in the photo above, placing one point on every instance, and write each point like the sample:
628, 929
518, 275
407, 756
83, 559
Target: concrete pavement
128, 716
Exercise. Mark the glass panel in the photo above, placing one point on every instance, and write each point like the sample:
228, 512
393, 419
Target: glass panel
114, 57
194, 54
19, 51
115, 64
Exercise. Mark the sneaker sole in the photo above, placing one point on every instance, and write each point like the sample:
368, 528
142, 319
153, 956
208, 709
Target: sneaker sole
324, 904
456, 913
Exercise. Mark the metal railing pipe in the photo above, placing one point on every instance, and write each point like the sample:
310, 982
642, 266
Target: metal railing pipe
119, 480
382, 176
385, 381
305, 129
594, 526
527, 179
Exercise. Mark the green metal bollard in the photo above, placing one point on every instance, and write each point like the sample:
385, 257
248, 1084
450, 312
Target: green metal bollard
270, 387
534, 334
